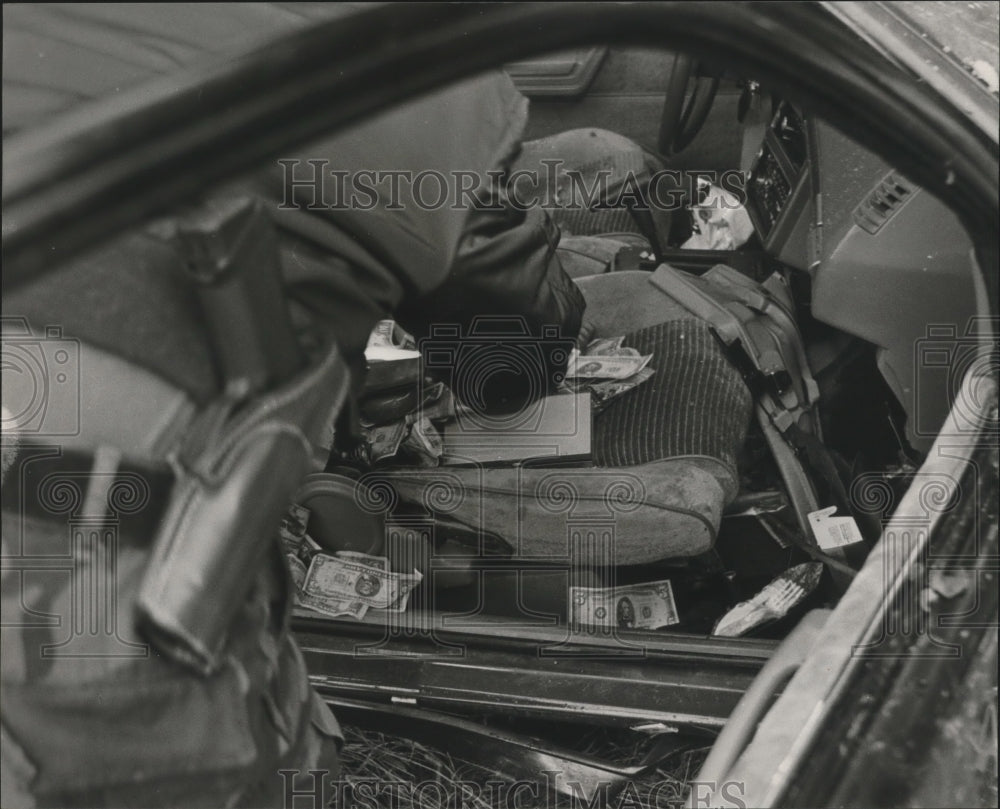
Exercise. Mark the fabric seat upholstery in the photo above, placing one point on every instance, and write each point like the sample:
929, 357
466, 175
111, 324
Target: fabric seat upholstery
664, 454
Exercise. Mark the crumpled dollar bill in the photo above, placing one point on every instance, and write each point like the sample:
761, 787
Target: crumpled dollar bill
424, 442
385, 439
389, 334
649, 605
293, 527
606, 369
602, 392
606, 366
414, 433
605, 345
298, 546
351, 583
438, 403
348, 583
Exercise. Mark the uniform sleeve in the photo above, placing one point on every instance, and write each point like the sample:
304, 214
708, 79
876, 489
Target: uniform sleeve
478, 256
506, 268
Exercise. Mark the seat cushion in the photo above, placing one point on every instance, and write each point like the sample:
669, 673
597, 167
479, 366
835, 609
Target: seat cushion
607, 517
695, 406
664, 467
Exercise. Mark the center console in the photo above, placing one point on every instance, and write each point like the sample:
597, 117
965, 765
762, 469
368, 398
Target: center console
884, 262
778, 189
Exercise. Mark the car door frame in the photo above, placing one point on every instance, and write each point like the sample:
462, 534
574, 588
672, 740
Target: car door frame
81, 175
89, 176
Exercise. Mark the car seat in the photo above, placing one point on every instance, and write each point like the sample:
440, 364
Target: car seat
664, 455
593, 182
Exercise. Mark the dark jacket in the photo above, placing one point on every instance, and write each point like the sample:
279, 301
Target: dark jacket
348, 267
114, 721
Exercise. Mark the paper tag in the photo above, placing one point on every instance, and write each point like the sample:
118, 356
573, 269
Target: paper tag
833, 532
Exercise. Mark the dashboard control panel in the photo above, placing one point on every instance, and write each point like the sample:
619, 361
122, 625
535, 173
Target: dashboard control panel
777, 169
769, 188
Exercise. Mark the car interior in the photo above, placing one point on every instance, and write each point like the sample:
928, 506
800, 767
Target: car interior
696, 477
805, 313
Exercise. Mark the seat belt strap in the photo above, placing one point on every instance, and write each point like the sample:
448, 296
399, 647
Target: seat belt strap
784, 397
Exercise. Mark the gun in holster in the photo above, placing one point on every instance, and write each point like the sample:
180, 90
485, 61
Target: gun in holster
238, 468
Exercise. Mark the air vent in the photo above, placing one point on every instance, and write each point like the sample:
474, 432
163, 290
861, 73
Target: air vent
882, 203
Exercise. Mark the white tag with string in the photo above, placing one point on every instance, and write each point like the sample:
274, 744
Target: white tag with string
833, 532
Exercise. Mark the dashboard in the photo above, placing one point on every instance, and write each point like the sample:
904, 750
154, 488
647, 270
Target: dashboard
777, 172
885, 260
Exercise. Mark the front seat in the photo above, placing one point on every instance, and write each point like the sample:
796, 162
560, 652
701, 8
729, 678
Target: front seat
664, 456
593, 182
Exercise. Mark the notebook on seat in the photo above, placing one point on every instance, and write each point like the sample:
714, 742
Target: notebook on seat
556, 427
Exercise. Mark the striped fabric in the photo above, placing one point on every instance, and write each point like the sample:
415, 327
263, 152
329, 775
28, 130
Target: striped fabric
695, 404
588, 222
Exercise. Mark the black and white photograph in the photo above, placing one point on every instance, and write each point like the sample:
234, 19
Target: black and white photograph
481, 405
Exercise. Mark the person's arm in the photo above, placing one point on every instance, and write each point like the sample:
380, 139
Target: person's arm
506, 268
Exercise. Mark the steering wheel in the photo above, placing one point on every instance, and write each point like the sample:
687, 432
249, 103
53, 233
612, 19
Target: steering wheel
680, 122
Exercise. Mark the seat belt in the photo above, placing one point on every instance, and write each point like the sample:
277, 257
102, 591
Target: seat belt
761, 338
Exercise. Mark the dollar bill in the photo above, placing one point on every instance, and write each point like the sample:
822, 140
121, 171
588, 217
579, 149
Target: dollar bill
298, 565
402, 597
609, 347
649, 605
332, 578
378, 562
604, 345
298, 570
438, 403
333, 607
381, 334
293, 527
602, 392
425, 442
307, 549
613, 351
384, 440
407, 585
605, 367
624, 351
389, 334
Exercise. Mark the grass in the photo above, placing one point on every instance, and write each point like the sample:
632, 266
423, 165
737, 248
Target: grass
431, 778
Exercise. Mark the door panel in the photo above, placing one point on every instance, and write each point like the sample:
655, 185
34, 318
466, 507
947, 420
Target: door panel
625, 94
565, 74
